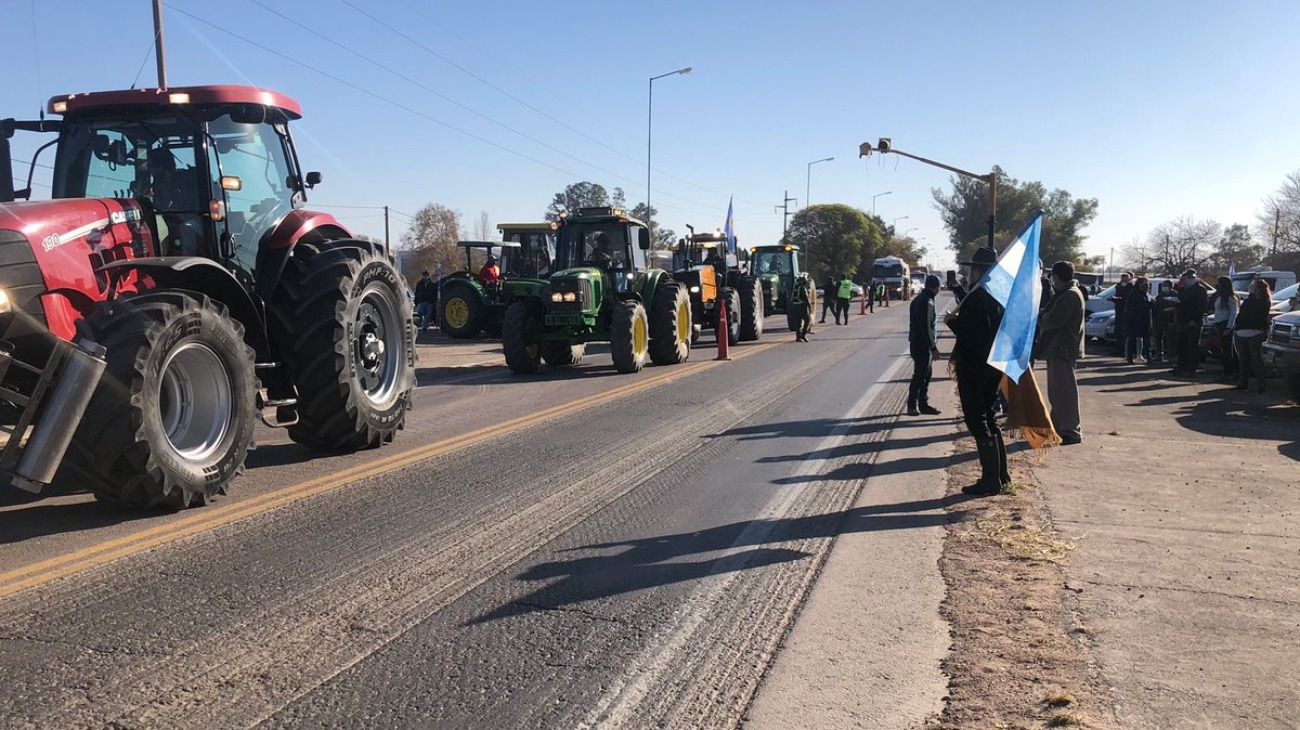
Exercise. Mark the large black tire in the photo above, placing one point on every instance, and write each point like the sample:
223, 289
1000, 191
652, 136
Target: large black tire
629, 341
463, 312
343, 325
670, 324
734, 307
562, 354
518, 342
751, 309
172, 418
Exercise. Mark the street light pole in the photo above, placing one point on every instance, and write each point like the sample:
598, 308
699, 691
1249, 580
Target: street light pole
873, 201
894, 225
160, 57
807, 193
885, 146
649, 138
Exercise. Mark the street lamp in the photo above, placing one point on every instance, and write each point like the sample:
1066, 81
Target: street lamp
896, 220
873, 200
649, 127
808, 188
909, 231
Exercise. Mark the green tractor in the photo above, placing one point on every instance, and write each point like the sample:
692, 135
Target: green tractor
710, 274
471, 303
777, 268
601, 289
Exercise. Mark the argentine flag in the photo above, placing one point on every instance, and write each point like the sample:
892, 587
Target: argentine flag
730, 228
1016, 283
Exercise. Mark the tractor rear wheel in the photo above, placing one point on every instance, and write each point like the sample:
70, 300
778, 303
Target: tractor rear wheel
734, 307
518, 338
751, 309
172, 419
629, 340
463, 311
562, 354
344, 328
670, 325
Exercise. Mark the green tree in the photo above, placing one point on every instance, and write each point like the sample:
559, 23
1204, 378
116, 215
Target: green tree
432, 238
965, 213
835, 238
578, 195
1236, 248
663, 237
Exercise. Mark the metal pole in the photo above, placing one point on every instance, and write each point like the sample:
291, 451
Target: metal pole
993, 207
649, 137
873, 200
386, 244
158, 44
807, 188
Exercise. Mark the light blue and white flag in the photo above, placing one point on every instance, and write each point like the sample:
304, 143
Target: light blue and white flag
1232, 270
730, 228
1016, 283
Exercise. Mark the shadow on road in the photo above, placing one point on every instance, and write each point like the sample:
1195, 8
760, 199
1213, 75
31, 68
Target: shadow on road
40, 520
644, 563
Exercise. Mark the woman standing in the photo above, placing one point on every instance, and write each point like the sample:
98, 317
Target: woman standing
1251, 328
1226, 303
1138, 309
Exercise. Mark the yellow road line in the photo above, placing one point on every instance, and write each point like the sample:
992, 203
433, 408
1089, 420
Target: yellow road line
36, 574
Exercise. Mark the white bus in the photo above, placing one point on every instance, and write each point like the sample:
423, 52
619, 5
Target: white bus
893, 273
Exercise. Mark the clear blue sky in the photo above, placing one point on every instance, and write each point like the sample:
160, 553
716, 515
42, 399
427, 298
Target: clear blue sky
1158, 109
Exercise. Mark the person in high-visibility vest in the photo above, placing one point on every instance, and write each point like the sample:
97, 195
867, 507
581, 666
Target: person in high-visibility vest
843, 295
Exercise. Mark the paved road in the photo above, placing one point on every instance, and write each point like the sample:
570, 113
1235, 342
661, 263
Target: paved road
581, 549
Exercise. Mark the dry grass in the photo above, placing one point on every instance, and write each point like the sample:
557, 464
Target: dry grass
1059, 699
1065, 719
1025, 543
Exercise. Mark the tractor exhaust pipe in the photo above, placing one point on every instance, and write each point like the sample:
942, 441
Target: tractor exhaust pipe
62, 414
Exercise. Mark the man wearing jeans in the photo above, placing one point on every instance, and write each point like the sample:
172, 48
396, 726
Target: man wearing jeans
923, 342
426, 300
1059, 344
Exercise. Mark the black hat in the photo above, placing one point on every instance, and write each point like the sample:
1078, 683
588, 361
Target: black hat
983, 257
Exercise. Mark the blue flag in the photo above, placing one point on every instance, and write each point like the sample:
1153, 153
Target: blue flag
1016, 283
730, 228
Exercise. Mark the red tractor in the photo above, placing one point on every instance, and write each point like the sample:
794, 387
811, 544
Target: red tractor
174, 290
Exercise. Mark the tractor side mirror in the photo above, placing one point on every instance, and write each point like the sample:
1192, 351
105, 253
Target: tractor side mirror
643, 239
314, 179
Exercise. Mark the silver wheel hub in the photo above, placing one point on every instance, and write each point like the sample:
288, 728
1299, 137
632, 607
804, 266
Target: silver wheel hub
376, 351
196, 405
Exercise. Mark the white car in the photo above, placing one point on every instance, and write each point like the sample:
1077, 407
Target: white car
1100, 326
1284, 300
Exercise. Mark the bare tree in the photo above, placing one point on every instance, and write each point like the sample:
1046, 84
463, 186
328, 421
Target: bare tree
1280, 224
483, 227
432, 239
1173, 247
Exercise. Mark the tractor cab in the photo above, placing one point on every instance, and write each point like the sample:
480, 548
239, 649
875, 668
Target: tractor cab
778, 268
537, 249
212, 169
605, 239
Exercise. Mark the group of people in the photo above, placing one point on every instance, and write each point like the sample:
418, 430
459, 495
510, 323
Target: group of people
1167, 324
837, 295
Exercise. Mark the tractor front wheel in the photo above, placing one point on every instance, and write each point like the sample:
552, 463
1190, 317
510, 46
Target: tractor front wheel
629, 340
171, 421
734, 308
670, 325
562, 354
523, 353
345, 330
751, 309
463, 310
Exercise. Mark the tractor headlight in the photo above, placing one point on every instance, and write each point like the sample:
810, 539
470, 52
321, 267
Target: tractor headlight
695, 290
6, 304
557, 297
570, 296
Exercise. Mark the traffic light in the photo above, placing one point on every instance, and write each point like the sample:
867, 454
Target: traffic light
884, 145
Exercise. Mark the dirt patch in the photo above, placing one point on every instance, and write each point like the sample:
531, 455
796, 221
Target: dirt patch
1017, 660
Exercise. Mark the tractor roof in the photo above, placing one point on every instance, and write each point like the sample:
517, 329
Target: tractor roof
590, 215
489, 244
527, 226
775, 246
72, 104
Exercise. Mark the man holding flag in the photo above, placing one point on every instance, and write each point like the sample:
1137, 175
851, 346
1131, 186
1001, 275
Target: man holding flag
995, 326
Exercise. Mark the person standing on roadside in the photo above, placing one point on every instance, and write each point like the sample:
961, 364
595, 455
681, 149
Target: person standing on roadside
923, 343
1193, 304
1060, 344
1163, 323
828, 298
1248, 337
1122, 291
975, 325
801, 305
843, 295
869, 293
1224, 306
1137, 321
426, 297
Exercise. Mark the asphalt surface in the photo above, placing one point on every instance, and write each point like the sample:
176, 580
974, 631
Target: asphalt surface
631, 561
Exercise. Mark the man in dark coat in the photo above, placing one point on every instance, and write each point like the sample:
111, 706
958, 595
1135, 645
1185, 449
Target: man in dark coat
426, 300
975, 324
923, 342
1122, 291
828, 299
1193, 304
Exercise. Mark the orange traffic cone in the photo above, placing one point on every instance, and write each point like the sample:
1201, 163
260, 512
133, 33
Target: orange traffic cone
723, 330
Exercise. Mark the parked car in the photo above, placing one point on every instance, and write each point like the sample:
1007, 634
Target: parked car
1100, 302
1282, 351
1284, 300
1101, 326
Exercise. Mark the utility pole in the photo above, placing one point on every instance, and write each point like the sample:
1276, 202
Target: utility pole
386, 245
158, 44
785, 208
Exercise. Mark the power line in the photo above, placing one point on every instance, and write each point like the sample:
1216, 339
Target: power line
423, 46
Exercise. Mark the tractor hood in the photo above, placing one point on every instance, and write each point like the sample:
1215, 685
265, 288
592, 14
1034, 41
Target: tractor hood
586, 283
54, 247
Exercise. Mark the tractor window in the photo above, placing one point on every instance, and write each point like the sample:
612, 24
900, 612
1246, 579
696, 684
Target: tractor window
638, 256
254, 153
604, 246
773, 262
140, 158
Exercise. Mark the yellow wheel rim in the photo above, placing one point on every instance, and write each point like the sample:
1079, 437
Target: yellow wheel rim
683, 322
640, 337
456, 312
